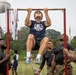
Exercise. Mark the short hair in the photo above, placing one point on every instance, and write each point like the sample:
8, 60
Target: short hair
62, 37
37, 12
15, 51
1, 39
50, 41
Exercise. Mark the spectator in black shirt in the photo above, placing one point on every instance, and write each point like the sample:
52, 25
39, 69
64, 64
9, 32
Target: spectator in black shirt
47, 57
58, 60
3, 58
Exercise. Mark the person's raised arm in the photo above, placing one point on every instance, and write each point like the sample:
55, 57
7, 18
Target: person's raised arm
48, 20
27, 20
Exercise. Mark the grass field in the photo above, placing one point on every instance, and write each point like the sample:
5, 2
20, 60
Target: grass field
24, 69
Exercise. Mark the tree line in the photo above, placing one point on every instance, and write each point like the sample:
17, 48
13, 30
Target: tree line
20, 43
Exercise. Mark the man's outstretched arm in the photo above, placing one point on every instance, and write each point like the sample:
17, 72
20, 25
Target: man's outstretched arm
48, 20
53, 65
27, 20
42, 64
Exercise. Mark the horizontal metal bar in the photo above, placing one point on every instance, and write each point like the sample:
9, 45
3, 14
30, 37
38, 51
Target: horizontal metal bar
24, 9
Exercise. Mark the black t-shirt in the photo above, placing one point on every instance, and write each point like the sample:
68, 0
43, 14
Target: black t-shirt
15, 59
47, 56
3, 65
38, 29
59, 53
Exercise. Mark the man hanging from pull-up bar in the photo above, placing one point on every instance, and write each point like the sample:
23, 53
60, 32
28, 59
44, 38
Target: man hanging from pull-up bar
36, 38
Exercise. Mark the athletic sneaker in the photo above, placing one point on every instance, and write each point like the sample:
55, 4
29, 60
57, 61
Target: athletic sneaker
27, 60
37, 61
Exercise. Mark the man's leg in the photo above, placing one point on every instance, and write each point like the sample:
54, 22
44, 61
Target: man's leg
29, 45
15, 72
49, 70
12, 72
43, 46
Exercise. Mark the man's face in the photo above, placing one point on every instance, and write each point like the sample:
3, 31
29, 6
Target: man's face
38, 16
3, 44
61, 41
50, 45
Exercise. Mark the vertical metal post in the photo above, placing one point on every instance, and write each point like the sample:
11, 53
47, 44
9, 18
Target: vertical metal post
66, 69
8, 40
8, 34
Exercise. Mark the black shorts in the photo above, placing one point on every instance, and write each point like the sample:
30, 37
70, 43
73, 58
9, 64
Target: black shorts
37, 45
14, 66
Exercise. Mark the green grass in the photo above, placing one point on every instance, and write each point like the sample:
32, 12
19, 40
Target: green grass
24, 69
74, 68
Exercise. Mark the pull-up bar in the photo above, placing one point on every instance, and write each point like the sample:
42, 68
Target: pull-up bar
8, 30
39, 9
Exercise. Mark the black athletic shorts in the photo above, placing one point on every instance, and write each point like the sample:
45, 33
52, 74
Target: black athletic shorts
37, 45
14, 66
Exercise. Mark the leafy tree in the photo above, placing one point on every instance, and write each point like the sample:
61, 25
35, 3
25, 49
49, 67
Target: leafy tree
56, 42
17, 45
23, 33
53, 34
1, 32
22, 37
74, 41
5, 36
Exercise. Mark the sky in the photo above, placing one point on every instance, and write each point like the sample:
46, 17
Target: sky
56, 16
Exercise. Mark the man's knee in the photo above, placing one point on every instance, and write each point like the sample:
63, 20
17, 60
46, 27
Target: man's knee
45, 39
30, 36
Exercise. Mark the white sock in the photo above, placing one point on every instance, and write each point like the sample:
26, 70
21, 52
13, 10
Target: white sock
28, 54
38, 56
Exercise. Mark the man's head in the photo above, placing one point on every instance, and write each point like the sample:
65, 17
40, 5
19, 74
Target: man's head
61, 38
2, 44
15, 51
50, 44
38, 16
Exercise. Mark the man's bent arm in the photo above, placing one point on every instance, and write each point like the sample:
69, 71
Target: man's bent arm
70, 54
42, 64
53, 64
27, 20
48, 20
